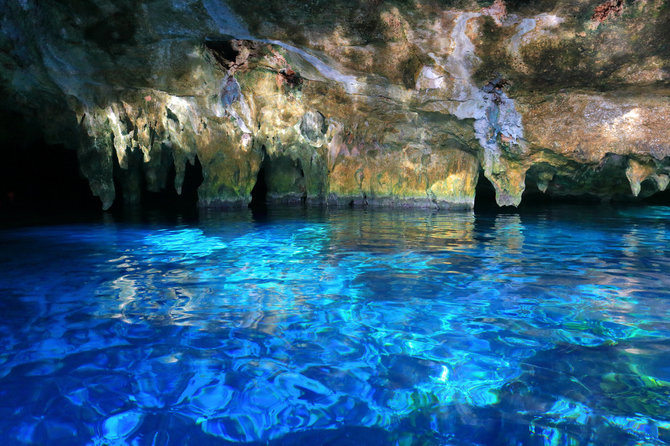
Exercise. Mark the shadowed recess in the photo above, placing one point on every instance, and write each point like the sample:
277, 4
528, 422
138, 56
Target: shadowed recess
36, 176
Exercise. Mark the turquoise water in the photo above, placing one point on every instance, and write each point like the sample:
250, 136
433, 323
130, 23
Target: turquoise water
342, 327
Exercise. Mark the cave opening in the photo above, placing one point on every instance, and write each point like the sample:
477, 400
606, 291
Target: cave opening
223, 51
167, 198
132, 185
562, 190
38, 177
280, 179
660, 198
485, 194
534, 197
128, 181
193, 178
259, 193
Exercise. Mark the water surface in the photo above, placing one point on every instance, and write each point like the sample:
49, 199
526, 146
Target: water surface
339, 327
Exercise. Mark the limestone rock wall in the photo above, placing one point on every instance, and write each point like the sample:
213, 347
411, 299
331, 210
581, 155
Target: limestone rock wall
376, 102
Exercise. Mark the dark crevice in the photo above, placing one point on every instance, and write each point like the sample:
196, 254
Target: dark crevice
259, 193
303, 197
40, 177
485, 194
658, 199
193, 178
132, 191
606, 184
128, 182
223, 51
168, 198
534, 197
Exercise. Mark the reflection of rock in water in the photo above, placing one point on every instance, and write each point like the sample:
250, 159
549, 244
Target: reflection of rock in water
602, 393
566, 395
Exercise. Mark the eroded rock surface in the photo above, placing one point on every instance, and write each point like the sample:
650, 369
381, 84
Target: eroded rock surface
375, 102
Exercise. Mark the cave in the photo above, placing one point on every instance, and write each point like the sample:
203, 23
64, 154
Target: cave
558, 189
280, 181
485, 194
39, 177
254, 223
607, 183
168, 198
661, 198
259, 193
225, 51
134, 193
192, 180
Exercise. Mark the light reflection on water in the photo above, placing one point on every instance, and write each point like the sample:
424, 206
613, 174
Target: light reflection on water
340, 327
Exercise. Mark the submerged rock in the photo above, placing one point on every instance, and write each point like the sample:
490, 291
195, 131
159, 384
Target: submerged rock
386, 103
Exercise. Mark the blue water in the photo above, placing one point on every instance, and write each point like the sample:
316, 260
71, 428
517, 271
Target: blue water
341, 327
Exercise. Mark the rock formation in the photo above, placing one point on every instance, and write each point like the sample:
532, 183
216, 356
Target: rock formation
394, 102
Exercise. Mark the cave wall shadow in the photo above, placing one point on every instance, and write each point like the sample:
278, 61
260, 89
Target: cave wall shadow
43, 180
485, 196
38, 177
259, 193
144, 203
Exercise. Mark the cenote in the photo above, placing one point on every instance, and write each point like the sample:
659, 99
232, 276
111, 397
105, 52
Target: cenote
335, 222
338, 327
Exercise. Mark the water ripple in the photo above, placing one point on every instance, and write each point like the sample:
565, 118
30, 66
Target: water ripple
426, 327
